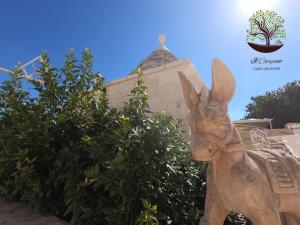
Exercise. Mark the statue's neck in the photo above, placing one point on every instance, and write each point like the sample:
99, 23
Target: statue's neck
235, 143
234, 149
236, 138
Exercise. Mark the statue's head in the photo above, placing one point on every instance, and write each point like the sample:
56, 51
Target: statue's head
211, 128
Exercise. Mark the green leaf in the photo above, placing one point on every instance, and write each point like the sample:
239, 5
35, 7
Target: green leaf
146, 203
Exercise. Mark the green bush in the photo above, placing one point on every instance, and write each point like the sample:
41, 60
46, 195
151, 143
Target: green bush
64, 151
282, 105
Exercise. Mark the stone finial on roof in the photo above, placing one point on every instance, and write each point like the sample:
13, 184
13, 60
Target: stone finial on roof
162, 38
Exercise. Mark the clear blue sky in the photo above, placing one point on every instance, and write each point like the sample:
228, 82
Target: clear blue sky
121, 33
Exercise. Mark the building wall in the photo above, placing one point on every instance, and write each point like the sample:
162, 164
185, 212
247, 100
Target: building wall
164, 88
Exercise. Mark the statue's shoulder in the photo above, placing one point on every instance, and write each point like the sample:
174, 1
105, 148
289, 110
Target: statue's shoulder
271, 154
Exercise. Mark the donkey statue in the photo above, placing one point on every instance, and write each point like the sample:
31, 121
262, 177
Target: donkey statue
262, 185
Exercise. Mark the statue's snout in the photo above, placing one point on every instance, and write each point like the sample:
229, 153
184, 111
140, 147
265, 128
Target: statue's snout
203, 151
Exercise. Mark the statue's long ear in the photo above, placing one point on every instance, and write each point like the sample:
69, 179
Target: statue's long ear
189, 93
223, 83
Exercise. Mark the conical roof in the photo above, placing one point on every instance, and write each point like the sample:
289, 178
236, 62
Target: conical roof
157, 58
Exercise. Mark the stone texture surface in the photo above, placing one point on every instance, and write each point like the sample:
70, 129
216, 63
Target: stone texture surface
262, 185
20, 214
295, 127
157, 58
293, 141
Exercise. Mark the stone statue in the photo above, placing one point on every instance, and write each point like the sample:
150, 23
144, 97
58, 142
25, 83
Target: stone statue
262, 185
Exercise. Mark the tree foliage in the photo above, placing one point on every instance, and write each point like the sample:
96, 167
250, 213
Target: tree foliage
265, 26
283, 105
67, 153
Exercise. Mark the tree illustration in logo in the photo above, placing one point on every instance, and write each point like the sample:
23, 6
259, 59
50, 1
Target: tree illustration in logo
266, 26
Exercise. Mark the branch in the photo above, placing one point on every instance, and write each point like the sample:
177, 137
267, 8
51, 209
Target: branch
275, 29
264, 25
255, 34
261, 27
